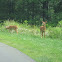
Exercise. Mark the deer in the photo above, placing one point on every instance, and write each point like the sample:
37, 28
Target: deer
43, 28
12, 28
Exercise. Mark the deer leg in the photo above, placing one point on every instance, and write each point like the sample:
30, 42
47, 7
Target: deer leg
44, 34
40, 33
10, 30
16, 31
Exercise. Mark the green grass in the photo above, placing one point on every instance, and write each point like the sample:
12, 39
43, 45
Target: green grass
39, 49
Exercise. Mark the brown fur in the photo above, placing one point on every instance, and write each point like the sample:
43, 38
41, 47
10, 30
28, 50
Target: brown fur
43, 28
12, 28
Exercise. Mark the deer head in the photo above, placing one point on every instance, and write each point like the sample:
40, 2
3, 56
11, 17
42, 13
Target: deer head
44, 23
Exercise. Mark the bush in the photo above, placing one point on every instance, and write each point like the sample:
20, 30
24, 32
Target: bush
8, 23
22, 28
60, 23
11, 22
55, 32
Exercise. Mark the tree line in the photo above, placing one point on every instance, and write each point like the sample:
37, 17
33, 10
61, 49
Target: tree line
34, 11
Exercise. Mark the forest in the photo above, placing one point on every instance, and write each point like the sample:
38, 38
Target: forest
34, 11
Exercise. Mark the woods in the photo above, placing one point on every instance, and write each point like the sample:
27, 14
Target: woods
34, 11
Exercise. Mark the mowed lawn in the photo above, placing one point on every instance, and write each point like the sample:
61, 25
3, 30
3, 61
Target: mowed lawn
39, 49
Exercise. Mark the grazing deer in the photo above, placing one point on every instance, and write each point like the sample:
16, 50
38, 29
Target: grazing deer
12, 28
43, 28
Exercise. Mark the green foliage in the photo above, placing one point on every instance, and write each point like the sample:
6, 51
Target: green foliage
11, 22
8, 23
25, 23
60, 23
22, 28
31, 10
55, 32
25, 28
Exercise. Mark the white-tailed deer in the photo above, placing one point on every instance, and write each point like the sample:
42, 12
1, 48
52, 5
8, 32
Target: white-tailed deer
43, 28
12, 28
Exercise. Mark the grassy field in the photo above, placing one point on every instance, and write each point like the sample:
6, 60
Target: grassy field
40, 49
28, 41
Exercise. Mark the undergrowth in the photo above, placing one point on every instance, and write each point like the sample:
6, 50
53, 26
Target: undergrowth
51, 32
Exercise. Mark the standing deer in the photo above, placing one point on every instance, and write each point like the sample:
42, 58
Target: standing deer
12, 28
43, 28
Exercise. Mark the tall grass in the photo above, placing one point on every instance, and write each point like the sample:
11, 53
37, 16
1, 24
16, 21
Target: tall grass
55, 32
51, 32
22, 28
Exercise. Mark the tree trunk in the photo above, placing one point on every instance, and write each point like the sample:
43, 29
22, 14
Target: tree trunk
45, 10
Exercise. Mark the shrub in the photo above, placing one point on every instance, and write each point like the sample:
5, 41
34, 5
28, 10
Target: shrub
22, 28
55, 32
11, 22
8, 23
60, 23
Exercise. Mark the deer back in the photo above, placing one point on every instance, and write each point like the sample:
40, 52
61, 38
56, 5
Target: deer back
11, 27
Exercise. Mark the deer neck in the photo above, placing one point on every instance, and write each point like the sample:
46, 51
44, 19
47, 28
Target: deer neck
44, 27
